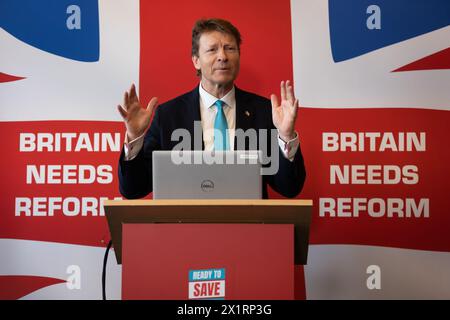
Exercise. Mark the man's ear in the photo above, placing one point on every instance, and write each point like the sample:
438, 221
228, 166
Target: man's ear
195, 61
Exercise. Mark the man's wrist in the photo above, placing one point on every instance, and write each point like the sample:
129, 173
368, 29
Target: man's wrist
132, 137
289, 137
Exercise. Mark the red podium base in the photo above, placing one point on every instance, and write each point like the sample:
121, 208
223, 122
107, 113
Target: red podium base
204, 261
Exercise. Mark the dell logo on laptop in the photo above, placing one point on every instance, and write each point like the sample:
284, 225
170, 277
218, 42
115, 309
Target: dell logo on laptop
207, 185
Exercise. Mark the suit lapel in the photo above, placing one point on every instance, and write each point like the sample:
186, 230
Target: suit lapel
244, 114
192, 116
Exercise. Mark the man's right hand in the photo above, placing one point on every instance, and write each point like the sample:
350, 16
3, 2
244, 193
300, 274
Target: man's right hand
136, 118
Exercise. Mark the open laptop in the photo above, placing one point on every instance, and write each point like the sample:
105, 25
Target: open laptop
207, 175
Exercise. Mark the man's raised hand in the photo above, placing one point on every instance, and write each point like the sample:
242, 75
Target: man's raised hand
136, 118
285, 113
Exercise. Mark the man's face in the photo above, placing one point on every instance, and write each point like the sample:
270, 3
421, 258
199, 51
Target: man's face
218, 58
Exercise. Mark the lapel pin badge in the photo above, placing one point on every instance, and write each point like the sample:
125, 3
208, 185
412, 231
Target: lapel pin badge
247, 113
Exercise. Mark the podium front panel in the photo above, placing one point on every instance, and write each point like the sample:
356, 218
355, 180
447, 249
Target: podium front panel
208, 261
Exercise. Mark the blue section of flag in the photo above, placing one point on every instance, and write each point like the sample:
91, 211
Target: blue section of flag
43, 24
206, 275
400, 20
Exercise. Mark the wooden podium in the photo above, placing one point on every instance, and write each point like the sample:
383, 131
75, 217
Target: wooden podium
209, 249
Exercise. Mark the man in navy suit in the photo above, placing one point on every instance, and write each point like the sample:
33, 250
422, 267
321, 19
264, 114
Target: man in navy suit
218, 104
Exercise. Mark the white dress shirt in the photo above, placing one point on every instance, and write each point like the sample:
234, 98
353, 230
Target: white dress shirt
208, 111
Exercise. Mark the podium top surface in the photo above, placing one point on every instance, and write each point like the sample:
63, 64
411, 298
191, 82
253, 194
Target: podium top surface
296, 212
208, 202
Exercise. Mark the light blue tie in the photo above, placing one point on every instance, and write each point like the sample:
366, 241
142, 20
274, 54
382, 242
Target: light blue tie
220, 128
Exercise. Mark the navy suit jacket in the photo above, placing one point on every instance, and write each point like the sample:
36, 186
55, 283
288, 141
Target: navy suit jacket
252, 111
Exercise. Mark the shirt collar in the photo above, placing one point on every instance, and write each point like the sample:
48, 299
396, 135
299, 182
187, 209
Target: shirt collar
209, 100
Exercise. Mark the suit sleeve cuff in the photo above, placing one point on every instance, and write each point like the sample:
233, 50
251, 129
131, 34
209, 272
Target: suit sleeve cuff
289, 148
132, 148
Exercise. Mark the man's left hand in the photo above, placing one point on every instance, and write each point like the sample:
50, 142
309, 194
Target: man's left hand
285, 113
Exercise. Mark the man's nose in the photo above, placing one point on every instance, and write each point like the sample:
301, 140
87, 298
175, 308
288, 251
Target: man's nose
222, 55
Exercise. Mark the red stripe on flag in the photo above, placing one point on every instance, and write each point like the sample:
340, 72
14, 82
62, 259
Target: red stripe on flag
9, 78
15, 287
437, 61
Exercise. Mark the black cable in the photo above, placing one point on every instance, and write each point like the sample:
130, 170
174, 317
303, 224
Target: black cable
105, 261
